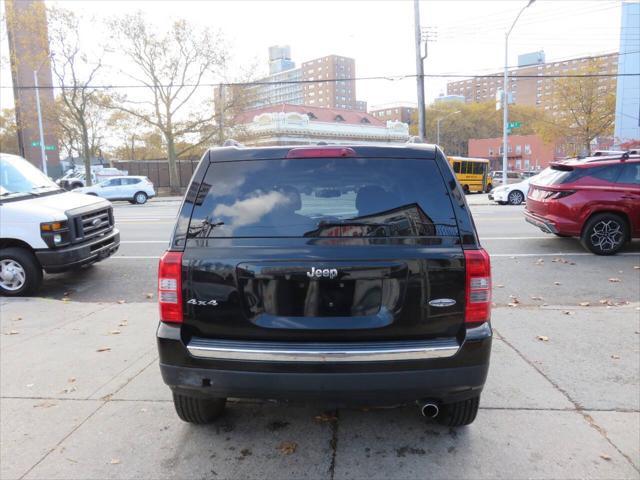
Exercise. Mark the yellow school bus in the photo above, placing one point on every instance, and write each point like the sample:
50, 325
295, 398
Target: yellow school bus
472, 173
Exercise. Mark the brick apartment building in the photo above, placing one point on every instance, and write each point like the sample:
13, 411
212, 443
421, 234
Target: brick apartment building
524, 152
287, 84
399, 112
531, 90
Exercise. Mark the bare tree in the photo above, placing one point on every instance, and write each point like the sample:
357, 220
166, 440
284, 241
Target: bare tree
172, 66
75, 74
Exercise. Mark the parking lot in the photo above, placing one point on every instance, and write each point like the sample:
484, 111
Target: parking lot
82, 395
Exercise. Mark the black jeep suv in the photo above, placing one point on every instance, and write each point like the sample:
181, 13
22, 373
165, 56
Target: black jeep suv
348, 274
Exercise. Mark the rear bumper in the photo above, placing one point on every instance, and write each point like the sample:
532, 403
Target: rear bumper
62, 259
540, 222
446, 377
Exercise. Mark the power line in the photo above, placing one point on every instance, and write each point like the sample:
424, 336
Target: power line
326, 80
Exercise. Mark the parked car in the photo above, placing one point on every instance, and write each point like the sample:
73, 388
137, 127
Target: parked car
134, 189
513, 194
512, 177
45, 228
597, 201
77, 178
377, 293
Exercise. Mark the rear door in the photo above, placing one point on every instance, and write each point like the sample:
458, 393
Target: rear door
324, 249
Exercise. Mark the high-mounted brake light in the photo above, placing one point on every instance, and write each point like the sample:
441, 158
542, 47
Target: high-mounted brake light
170, 287
478, 286
325, 152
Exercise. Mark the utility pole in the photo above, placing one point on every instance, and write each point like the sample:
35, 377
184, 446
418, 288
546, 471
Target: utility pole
221, 114
43, 153
505, 97
422, 125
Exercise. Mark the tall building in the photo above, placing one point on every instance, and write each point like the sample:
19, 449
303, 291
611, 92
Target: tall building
298, 86
627, 123
526, 88
404, 112
29, 49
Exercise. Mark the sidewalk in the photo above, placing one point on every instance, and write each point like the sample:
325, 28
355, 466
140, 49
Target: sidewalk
82, 397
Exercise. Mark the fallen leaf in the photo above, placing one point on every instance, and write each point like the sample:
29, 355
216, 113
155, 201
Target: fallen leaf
543, 338
545, 304
512, 304
103, 349
604, 456
636, 267
615, 357
114, 332
29, 385
123, 323
557, 283
114, 461
614, 280
17, 319
72, 380
12, 332
535, 297
499, 286
45, 404
287, 448
121, 301
584, 304
540, 261
325, 418
149, 295
567, 312
70, 389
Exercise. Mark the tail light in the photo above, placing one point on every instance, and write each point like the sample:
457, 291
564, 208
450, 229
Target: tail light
170, 287
324, 152
559, 194
478, 282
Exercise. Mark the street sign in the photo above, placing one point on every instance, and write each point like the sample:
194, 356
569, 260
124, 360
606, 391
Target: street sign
515, 124
46, 147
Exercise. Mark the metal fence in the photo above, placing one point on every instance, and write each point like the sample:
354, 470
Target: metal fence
158, 170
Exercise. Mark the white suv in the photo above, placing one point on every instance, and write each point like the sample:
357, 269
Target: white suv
134, 189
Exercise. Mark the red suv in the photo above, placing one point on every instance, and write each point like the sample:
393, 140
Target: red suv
596, 199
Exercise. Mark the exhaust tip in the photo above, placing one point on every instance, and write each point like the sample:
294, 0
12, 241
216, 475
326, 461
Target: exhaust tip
429, 410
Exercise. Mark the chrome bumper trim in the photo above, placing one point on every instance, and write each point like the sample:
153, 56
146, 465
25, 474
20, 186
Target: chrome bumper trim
317, 352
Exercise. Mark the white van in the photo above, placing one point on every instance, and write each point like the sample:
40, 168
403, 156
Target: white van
42, 227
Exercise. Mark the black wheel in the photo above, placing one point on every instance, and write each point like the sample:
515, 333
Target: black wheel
20, 272
466, 190
516, 197
502, 203
199, 410
561, 235
140, 198
488, 188
459, 413
76, 185
604, 234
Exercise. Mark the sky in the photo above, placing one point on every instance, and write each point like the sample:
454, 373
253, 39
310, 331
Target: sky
378, 34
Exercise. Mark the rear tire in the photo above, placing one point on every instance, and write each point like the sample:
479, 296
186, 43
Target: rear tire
459, 414
198, 410
465, 189
605, 234
516, 197
20, 272
140, 198
488, 188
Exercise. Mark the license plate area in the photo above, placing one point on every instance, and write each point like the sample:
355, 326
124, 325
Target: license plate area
288, 291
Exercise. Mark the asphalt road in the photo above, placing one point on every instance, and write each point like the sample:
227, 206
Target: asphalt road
526, 262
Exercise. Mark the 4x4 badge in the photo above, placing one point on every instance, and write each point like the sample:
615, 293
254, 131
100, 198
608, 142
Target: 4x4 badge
203, 303
442, 302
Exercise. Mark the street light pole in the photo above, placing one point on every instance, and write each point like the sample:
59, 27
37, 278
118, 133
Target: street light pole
422, 126
43, 153
505, 97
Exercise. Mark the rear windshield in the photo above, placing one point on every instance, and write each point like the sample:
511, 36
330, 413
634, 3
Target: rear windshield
326, 197
566, 174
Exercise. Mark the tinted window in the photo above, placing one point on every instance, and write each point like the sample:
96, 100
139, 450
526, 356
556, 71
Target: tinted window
114, 182
630, 174
323, 197
130, 181
608, 173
